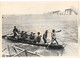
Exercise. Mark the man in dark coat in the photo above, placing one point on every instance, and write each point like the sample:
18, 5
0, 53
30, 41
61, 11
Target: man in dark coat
15, 31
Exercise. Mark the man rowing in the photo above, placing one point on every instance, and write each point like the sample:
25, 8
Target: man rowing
24, 35
31, 36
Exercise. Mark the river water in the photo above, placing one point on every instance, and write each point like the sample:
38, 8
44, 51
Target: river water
68, 35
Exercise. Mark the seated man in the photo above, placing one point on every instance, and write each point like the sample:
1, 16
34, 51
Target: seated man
31, 36
25, 36
38, 37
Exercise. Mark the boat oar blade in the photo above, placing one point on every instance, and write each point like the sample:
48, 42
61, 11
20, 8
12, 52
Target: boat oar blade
4, 36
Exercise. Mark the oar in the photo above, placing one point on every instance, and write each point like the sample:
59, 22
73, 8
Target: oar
59, 31
6, 35
48, 45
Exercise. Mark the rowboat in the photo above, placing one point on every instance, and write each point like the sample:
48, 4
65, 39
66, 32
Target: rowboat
32, 42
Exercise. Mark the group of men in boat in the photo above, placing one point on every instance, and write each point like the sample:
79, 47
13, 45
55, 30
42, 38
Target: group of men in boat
37, 39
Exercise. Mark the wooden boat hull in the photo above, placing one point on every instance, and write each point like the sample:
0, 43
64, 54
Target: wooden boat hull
52, 46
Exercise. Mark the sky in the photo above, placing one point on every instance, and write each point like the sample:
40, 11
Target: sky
36, 7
